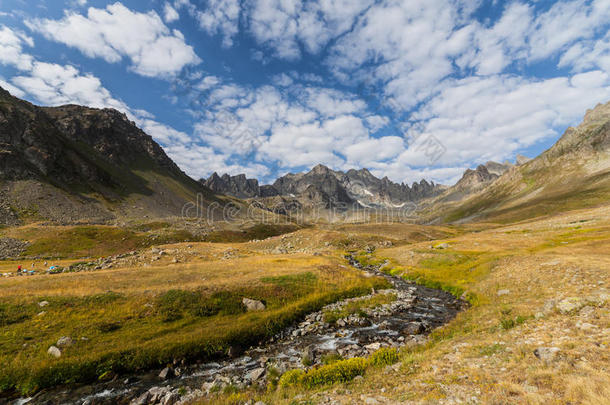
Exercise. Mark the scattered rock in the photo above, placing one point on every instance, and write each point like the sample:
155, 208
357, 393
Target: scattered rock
503, 292
547, 354
54, 351
570, 304
43, 303
442, 246
170, 398
253, 305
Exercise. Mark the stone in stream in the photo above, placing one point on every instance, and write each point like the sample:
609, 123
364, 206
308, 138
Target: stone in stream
253, 305
255, 374
413, 328
166, 373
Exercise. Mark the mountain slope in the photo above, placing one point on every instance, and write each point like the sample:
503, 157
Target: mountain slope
74, 163
574, 173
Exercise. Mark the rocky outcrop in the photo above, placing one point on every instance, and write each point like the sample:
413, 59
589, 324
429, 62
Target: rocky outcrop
498, 168
475, 179
237, 186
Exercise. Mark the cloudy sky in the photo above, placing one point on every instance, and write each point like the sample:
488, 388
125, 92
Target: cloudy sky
410, 89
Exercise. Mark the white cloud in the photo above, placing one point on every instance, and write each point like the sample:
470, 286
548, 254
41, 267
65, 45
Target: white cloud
479, 119
117, 32
11, 48
169, 13
220, 17
15, 91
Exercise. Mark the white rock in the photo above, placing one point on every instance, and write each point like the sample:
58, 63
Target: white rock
503, 292
253, 305
373, 346
54, 351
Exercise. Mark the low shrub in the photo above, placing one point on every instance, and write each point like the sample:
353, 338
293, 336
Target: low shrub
337, 372
383, 357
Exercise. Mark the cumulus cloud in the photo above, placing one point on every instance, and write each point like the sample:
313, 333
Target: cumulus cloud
169, 13
11, 48
117, 32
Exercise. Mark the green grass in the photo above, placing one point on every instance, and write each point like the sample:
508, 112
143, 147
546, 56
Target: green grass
448, 270
256, 232
357, 307
130, 333
93, 241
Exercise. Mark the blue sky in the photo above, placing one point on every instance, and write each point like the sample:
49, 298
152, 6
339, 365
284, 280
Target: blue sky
409, 89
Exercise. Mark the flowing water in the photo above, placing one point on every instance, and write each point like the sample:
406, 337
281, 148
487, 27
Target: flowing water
406, 320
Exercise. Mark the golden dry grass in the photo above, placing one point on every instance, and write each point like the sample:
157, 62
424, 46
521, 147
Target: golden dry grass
486, 355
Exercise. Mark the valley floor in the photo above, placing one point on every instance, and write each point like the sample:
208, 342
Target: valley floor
537, 331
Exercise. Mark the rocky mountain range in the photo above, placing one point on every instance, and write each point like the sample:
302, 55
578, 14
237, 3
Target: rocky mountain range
78, 164
329, 187
74, 163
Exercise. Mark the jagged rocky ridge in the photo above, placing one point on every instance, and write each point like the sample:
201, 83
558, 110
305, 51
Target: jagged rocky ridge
329, 187
77, 160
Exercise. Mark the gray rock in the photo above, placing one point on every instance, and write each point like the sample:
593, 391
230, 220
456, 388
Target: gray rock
166, 373
373, 346
43, 303
253, 305
255, 374
64, 341
142, 399
54, 351
413, 328
170, 398
547, 354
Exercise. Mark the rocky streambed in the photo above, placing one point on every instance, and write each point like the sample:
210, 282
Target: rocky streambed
409, 313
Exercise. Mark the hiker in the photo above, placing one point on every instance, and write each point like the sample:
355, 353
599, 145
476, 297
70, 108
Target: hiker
19, 269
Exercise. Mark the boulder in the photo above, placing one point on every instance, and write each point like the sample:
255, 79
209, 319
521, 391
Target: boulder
54, 351
253, 305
